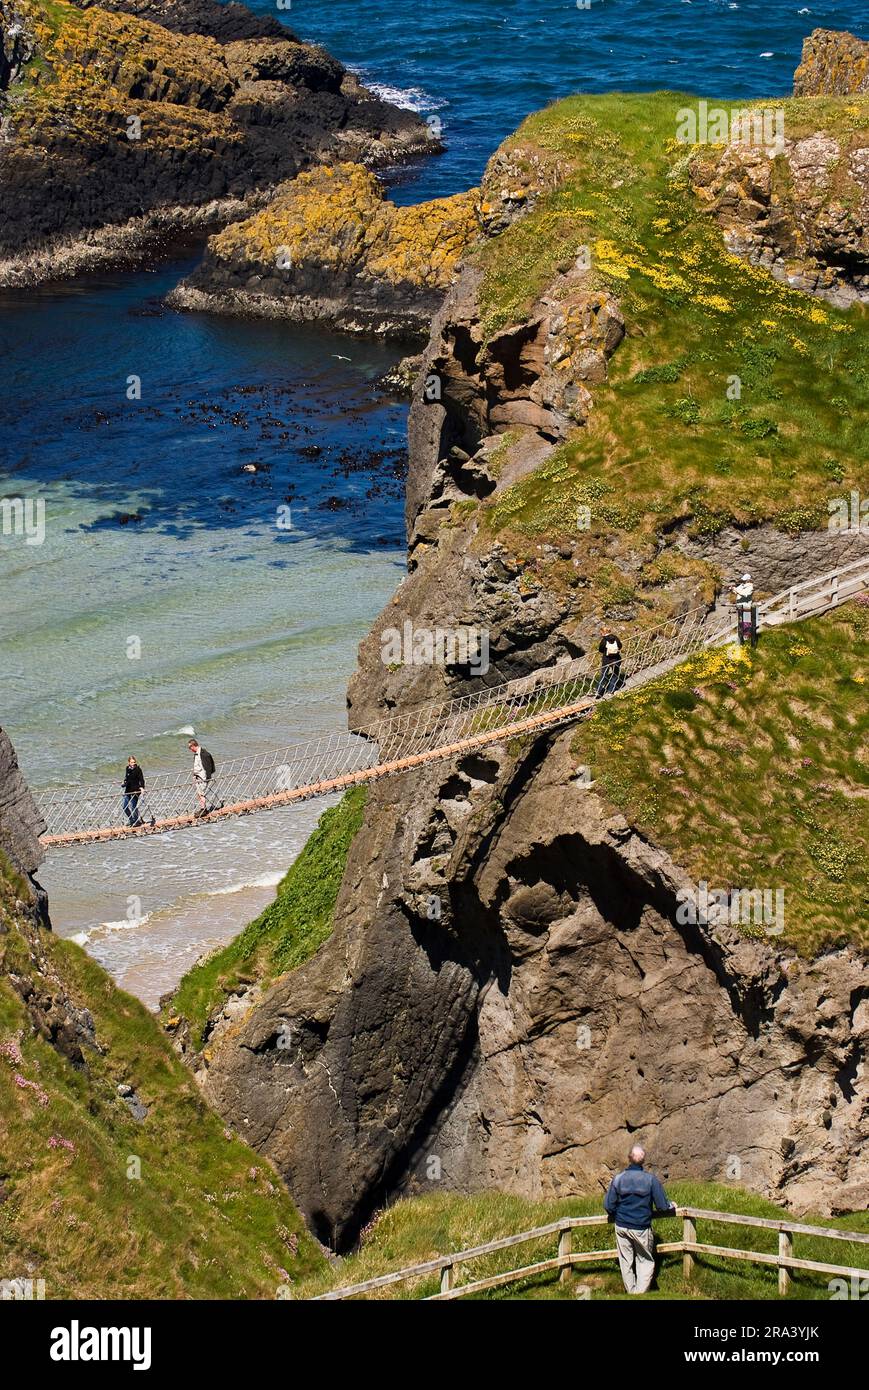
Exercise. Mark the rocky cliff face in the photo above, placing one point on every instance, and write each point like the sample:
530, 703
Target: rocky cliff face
501, 408
803, 216
20, 822
834, 64
17, 46
53, 1014
117, 129
551, 1012
510, 995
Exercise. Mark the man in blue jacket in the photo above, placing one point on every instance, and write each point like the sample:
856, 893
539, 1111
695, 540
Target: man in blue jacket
632, 1197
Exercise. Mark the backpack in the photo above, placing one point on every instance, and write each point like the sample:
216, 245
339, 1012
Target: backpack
207, 763
612, 648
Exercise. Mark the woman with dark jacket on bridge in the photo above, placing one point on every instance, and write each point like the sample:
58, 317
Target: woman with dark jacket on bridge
134, 785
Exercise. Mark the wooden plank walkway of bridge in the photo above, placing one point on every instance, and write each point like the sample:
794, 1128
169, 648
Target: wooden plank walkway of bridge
535, 724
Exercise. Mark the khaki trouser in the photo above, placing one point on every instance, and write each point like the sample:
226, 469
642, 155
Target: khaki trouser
636, 1251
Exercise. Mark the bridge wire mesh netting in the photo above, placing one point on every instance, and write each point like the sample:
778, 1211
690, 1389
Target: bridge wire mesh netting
301, 769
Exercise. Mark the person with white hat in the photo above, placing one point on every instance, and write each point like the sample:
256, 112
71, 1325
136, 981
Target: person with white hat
744, 593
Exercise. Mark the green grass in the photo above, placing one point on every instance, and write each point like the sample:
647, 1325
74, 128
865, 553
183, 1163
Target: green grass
50, 19
289, 930
754, 772
420, 1228
206, 1218
663, 442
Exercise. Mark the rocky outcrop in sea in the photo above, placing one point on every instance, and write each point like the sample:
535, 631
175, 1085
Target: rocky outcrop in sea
331, 247
833, 64
124, 126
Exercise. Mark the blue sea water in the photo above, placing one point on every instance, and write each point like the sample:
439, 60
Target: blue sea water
247, 629
480, 66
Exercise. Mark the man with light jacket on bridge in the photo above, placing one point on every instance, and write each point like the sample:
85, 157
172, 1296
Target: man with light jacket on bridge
633, 1197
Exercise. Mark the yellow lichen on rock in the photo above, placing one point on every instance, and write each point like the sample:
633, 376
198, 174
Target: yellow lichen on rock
336, 217
833, 63
323, 215
94, 69
98, 51
424, 244
145, 61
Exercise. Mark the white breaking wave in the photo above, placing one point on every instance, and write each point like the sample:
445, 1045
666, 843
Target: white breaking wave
263, 881
175, 733
408, 98
267, 880
82, 938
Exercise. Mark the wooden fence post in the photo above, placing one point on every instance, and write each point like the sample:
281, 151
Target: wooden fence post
785, 1248
448, 1278
565, 1246
689, 1233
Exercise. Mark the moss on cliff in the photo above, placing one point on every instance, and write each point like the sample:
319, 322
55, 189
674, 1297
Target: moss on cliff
98, 1203
290, 929
94, 68
752, 770
733, 397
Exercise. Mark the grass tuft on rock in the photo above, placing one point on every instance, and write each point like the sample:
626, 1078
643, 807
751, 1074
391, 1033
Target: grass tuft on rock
289, 930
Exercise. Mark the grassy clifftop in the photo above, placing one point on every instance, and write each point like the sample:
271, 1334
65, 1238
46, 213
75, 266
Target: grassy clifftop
97, 1202
753, 769
672, 436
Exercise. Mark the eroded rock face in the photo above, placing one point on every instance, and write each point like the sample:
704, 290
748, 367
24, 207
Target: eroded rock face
330, 247
833, 64
482, 417
528, 374
508, 990
20, 822
17, 43
63, 1023
803, 216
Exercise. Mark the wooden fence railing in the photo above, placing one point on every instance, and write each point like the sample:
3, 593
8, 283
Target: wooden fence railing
816, 595
450, 1266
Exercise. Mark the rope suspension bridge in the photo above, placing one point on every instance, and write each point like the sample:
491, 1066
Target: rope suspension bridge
333, 762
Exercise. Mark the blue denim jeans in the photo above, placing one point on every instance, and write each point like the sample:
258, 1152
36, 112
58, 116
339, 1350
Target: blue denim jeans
610, 678
131, 807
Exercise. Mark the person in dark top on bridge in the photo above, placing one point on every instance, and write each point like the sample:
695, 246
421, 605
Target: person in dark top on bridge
632, 1198
134, 785
610, 649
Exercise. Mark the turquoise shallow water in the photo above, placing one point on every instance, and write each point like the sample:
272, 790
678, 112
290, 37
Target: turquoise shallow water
248, 631
200, 610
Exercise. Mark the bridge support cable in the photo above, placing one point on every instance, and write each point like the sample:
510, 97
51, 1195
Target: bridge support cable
331, 762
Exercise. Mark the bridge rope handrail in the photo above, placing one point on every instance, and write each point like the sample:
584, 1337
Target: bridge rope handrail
390, 739
330, 761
